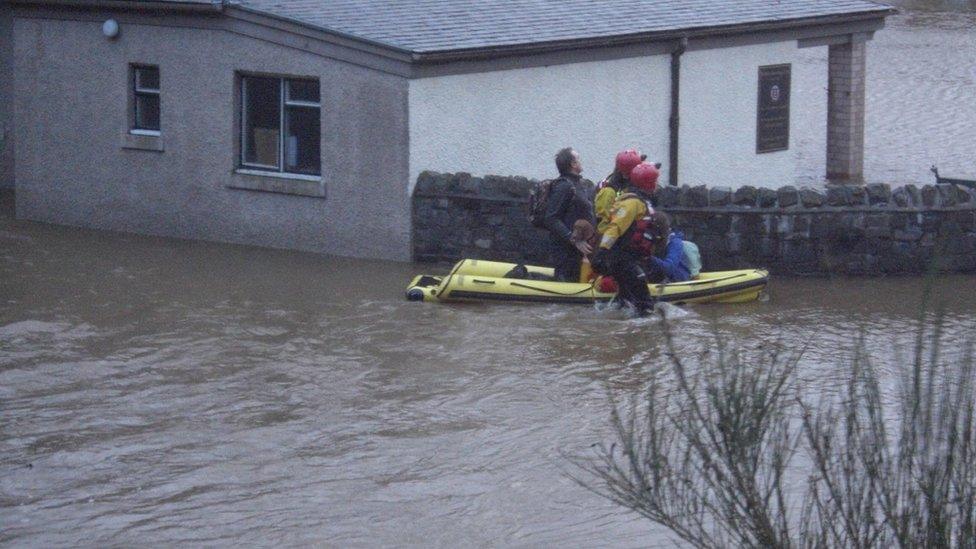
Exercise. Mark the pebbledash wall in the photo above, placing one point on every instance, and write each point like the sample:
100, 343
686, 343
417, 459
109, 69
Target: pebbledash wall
863, 230
504, 121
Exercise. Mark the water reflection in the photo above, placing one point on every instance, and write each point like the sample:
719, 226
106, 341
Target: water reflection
934, 5
921, 85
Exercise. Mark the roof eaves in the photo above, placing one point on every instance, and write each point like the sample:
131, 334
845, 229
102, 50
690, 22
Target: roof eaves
166, 5
483, 53
395, 51
228, 7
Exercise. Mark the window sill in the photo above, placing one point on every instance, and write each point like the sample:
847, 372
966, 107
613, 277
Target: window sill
143, 140
275, 182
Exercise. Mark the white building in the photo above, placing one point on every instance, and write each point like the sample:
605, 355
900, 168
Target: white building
679, 81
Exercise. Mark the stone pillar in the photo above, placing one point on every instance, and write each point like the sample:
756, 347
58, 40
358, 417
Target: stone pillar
845, 111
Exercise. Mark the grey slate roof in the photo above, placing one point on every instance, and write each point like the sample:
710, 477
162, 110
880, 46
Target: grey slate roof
430, 26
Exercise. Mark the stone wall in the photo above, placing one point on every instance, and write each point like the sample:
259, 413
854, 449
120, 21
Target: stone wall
865, 230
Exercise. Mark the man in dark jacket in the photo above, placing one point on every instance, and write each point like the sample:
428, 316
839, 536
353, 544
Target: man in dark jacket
569, 201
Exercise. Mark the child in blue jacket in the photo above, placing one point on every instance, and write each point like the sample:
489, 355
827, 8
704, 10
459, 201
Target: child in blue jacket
668, 264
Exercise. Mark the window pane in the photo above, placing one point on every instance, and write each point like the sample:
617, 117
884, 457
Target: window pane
261, 120
302, 140
147, 112
303, 90
147, 78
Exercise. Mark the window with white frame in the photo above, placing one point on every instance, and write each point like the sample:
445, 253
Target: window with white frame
280, 125
145, 99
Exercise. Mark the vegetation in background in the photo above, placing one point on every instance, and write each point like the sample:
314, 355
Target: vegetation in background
712, 457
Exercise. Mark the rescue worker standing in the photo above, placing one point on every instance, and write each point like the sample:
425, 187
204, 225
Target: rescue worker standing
569, 202
626, 244
607, 190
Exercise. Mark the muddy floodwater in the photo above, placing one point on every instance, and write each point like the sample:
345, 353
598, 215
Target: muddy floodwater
158, 391
166, 391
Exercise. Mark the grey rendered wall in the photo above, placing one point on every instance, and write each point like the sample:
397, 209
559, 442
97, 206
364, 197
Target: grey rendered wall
71, 115
6, 96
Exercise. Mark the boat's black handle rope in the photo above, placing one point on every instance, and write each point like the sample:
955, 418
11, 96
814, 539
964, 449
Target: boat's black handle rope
528, 287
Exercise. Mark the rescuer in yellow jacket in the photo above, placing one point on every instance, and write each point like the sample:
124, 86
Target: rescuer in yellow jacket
609, 188
626, 243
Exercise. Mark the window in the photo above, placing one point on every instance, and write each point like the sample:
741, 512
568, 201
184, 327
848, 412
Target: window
276, 107
145, 99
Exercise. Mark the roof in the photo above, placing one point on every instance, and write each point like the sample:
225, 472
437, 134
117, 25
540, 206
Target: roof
435, 26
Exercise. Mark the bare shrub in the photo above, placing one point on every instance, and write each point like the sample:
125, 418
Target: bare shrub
707, 451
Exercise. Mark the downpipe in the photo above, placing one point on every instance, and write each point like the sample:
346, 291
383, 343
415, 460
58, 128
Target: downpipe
673, 122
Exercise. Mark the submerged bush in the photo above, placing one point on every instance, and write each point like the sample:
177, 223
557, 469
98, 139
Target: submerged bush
712, 458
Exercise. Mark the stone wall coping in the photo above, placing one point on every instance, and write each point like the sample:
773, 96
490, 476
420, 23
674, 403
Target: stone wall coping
801, 199
731, 209
823, 209
469, 196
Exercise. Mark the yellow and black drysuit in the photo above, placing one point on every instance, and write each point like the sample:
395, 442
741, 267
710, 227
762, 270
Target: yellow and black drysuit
606, 196
623, 252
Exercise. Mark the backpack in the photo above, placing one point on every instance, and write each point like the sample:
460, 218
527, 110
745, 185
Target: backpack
692, 258
538, 201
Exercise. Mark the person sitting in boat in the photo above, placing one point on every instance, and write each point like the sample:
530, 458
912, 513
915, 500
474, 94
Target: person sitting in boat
609, 188
669, 261
625, 246
568, 202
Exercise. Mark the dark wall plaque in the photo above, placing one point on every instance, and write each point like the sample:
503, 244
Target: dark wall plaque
773, 115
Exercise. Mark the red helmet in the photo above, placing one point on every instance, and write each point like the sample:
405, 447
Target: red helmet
626, 160
644, 177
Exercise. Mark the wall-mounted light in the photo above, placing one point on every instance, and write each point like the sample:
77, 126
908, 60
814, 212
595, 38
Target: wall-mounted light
110, 29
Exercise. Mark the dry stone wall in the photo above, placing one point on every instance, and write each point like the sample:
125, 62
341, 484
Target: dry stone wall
863, 230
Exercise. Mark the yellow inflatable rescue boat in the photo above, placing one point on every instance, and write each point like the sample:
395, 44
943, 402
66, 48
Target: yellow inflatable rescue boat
477, 280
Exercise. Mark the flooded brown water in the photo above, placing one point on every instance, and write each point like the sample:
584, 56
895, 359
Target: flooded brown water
165, 391
157, 391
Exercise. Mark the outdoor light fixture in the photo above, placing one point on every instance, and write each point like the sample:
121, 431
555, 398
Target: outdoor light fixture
110, 28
